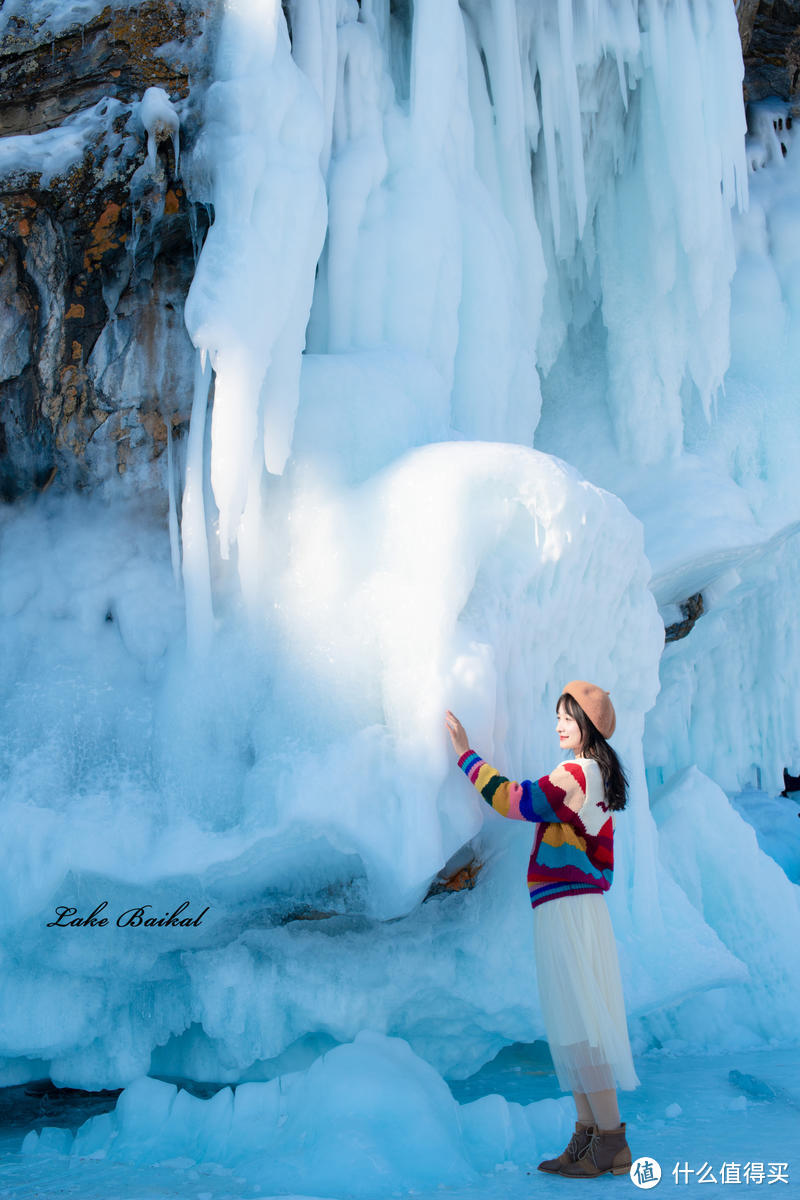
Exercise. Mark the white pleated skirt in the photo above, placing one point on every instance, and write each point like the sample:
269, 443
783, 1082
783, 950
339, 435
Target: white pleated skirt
580, 991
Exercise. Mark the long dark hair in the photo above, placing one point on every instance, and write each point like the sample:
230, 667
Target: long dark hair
615, 781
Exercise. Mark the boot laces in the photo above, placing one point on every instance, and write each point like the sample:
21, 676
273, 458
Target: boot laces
591, 1148
572, 1148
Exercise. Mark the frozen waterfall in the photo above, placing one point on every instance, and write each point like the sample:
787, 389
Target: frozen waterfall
497, 348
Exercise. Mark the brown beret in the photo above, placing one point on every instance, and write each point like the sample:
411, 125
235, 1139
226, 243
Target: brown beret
595, 703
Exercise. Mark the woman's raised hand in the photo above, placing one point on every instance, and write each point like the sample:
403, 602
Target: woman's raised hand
458, 734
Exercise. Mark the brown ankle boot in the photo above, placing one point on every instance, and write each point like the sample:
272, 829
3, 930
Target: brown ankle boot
578, 1142
607, 1150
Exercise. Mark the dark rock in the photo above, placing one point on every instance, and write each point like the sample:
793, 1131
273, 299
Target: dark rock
791, 783
45, 78
97, 257
770, 33
746, 14
691, 609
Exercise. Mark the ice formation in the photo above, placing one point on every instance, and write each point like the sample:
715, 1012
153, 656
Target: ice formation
442, 234
55, 150
370, 1100
257, 162
754, 915
160, 121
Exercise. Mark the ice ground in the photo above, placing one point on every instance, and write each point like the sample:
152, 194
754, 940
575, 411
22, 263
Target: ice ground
736, 1107
688, 1111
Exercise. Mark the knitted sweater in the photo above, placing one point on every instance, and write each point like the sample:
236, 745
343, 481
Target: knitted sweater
573, 852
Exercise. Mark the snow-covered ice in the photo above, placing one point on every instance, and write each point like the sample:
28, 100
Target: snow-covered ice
160, 121
707, 1120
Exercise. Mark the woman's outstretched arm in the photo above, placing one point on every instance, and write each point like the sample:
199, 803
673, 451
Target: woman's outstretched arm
556, 797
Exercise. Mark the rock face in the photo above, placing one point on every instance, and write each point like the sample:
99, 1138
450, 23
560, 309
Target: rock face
46, 77
770, 31
97, 244
746, 14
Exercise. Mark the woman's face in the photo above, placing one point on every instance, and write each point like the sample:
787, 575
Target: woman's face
568, 730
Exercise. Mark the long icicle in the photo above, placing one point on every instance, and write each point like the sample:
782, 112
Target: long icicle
174, 533
196, 570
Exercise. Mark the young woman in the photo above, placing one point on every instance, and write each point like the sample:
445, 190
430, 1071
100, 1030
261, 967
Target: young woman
577, 969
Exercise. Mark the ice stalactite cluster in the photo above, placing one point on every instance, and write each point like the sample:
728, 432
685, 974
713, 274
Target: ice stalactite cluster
729, 701
249, 302
494, 175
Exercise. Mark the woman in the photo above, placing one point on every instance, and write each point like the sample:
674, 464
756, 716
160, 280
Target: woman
577, 969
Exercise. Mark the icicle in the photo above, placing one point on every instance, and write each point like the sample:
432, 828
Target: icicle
514, 156
251, 294
314, 50
174, 535
196, 569
161, 121
573, 134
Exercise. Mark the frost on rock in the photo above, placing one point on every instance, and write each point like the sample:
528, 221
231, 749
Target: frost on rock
53, 152
160, 122
769, 132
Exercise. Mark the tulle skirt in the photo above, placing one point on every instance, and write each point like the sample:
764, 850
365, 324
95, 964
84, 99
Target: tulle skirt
580, 991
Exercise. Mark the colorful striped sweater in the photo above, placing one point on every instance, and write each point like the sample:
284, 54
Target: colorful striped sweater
573, 852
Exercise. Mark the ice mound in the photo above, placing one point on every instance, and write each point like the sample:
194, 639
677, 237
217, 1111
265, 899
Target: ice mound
364, 1119
305, 766
473, 576
729, 700
746, 898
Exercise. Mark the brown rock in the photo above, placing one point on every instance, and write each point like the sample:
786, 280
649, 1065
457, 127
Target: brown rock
44, 79
97, 259
462, 878
746, 15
